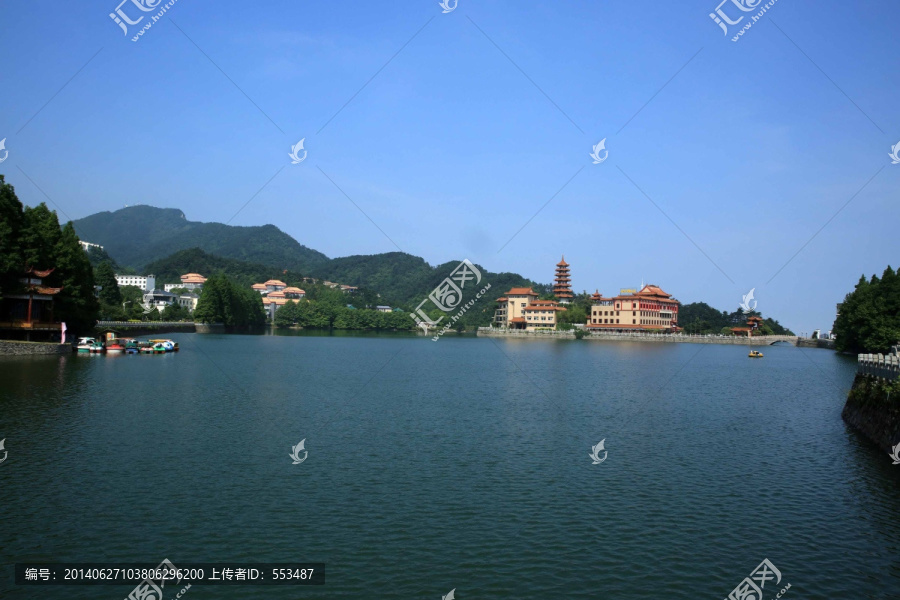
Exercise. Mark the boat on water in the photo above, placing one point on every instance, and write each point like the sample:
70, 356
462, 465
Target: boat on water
131, 346
145, 347
114, 344
169, 345
97, 347
755, 354
84, 344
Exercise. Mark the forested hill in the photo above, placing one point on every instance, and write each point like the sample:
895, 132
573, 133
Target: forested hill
404, 278
700, 317
138, 235
195, 260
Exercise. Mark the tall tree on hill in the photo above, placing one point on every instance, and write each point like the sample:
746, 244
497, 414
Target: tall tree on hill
869, 319
109, 287
76, 303
39, 236
10, 226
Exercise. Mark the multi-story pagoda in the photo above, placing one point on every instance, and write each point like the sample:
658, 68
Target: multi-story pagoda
562, 286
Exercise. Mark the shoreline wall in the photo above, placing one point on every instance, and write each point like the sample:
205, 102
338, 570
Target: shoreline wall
872, 412
645, 337
19, 348
873, 404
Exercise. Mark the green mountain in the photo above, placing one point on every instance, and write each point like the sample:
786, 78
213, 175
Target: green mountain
138, 235
195, 260
407, 279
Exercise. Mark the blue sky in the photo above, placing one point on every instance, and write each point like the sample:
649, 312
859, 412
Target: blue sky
749, 148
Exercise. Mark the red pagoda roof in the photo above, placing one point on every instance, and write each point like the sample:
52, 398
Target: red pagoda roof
39, 273
49, 291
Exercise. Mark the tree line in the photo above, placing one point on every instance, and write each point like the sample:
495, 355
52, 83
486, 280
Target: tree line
31, 237
326, 308
869, 317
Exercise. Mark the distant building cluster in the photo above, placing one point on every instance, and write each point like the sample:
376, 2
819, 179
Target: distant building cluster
189, 281
161, 299
277, 293
647, 309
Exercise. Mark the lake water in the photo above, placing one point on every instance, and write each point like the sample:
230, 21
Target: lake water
458, 464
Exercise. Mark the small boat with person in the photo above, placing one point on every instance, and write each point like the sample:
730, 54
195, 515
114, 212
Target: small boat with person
755, 354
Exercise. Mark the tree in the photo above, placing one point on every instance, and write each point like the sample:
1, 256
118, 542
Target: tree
869, 319
11, 261
105, 277
224, 301
76, 303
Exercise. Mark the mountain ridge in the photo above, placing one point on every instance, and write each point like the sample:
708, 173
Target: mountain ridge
135, 236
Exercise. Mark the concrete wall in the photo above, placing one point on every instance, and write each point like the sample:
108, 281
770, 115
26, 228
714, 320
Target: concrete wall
869, 411
16, 348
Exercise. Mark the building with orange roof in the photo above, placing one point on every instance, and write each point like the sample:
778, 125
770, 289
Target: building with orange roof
562, 286
753, 324
189, 281
521, 309
275, 285
650, 309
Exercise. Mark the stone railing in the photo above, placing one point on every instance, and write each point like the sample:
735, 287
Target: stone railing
880, 365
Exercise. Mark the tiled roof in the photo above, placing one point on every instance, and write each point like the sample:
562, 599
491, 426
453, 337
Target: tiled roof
521, 292
258, 286
293, 290
275, 282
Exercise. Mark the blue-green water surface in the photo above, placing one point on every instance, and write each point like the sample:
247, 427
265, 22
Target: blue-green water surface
458, 464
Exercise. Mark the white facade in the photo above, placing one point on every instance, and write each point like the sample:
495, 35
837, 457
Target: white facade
145, 282
185, 286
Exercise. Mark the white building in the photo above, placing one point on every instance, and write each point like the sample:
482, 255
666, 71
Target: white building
145, 282
188, 301
159, 299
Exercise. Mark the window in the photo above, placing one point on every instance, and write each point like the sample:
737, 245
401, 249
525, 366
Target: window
632, 321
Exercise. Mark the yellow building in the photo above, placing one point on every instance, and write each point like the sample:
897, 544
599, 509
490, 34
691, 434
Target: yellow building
521, 309
650, 309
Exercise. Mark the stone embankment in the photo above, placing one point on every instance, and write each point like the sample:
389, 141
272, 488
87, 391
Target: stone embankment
873, 405
16, 348
762, 340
